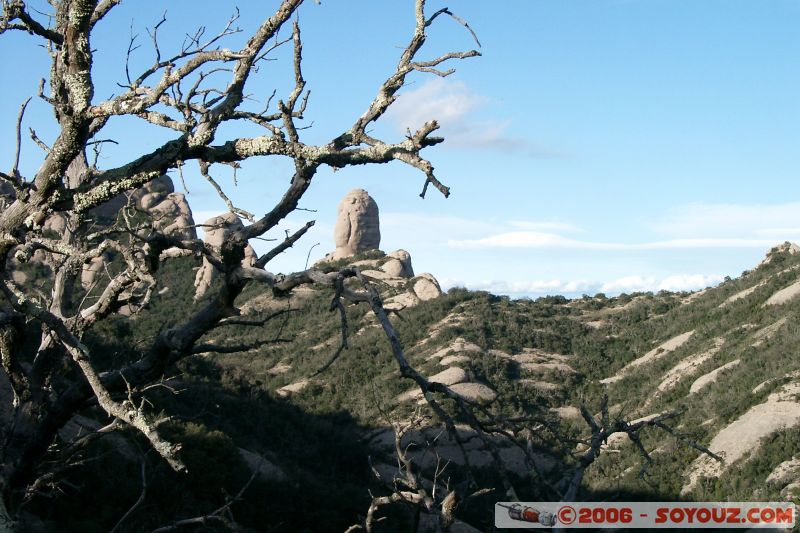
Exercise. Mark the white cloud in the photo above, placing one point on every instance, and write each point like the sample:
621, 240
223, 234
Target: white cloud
692, 226
627, 284
675, 283
455, 106
690, 282
543, 226
516, 239
449, 102
553, 286
539, 239
532, 234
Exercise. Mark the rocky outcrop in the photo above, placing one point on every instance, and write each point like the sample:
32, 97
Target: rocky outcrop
459, 382
745, 435
399, 264
169, 210
357, 225
217, 229
707, 379
432, 446
395, 270
294, 388
688, 366
92, 270
263, 467
784, 295
426, 287
787, 247
357, 230
418, 289
785, 476
653, 355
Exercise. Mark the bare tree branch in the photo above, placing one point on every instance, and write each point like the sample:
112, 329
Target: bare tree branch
188, 93
103, 9
220, 515
15, 167
139, 500
282, 247
607, 427
16, 10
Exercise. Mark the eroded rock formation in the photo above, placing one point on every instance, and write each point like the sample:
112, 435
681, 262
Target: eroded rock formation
169, 210
357, 226
216, 231
399, 264
358, 230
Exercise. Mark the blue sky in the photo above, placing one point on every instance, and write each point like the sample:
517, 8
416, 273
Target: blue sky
598, 145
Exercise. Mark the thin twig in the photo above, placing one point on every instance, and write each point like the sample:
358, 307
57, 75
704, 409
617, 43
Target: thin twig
20, 115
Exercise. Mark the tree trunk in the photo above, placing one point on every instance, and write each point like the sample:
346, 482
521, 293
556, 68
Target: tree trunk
6, 524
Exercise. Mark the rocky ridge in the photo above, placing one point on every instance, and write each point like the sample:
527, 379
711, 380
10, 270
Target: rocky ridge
741, 374
724, 357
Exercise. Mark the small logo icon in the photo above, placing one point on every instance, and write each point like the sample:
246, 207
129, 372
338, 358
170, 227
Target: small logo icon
530, 514
566, 515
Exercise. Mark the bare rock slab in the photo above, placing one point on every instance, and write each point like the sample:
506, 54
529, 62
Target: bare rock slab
357, 225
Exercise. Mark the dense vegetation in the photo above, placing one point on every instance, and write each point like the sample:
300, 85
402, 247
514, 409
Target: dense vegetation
318, 437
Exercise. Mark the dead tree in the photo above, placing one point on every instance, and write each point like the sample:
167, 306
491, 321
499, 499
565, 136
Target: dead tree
600, 431
175, 93
409, 486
